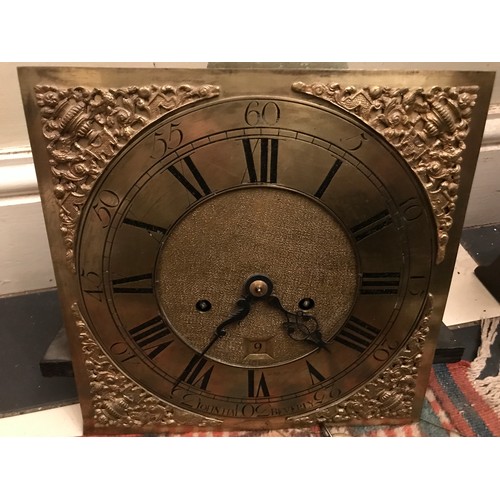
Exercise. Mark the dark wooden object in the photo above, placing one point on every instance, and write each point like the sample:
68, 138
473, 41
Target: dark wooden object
489, 276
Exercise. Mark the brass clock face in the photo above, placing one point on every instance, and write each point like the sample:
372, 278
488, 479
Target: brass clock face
252, 249
255, 257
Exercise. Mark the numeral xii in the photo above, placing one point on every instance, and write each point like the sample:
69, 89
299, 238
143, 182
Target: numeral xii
268, 159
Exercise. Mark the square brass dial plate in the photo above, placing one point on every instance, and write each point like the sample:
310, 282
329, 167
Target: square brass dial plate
252, 249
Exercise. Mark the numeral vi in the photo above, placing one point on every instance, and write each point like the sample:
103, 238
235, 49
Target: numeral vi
257, 387
315, 375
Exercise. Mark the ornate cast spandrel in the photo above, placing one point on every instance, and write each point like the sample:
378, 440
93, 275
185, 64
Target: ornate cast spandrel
117, 401
85, 128
427, 127
391, 395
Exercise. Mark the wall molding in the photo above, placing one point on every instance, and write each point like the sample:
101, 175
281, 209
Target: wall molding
17, 174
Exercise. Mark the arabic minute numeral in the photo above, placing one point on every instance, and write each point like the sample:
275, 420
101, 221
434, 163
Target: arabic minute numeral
165, 141
258, 114
107, 201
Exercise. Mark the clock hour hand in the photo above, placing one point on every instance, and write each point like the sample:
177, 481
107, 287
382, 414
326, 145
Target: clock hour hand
243, 305
299, 325
257, 286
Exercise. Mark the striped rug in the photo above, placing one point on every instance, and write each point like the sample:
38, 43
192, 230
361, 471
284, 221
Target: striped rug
452, 407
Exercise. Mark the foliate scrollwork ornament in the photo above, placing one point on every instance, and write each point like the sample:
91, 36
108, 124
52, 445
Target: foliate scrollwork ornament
426, 126
388, 396
118, 401
86, 127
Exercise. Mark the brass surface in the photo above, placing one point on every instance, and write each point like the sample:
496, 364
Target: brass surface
85, 128
148, 179
389, 397
258, 288
282, 234
428, 128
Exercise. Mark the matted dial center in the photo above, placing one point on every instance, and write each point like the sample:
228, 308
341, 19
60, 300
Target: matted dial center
216, 247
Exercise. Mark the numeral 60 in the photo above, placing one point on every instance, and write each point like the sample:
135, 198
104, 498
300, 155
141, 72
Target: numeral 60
258, 114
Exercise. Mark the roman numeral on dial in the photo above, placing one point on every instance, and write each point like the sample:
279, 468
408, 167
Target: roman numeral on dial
132, 284
257, 388
380, 283
328, 179
197, 191
268, 160
151, 228
371, 225
151, 336
315, 375
357, 335
197, 373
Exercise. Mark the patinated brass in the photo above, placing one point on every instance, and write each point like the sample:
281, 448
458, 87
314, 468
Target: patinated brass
252, 249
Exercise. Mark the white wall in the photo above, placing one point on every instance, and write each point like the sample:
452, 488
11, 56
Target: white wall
25, 262
24, 252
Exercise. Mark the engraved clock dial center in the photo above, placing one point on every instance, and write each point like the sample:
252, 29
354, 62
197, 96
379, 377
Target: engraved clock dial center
296, 242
